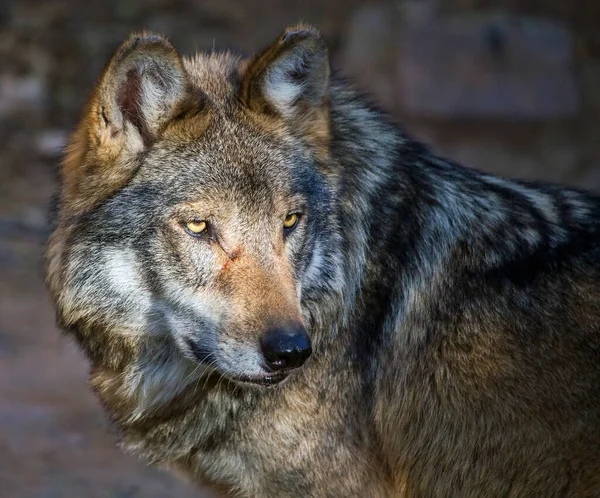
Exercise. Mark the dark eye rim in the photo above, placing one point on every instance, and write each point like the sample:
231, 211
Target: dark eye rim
206, 233
287, 230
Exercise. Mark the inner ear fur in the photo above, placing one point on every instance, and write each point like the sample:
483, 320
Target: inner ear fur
144, 86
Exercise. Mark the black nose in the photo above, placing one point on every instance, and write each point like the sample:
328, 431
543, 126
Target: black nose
286, 348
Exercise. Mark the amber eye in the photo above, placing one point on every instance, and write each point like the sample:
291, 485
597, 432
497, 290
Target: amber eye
196, 228
290, 221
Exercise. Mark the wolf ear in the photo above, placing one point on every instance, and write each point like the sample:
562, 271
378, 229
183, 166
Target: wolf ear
291, 77
142, 88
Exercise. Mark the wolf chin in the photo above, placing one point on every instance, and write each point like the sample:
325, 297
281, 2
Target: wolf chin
281, 294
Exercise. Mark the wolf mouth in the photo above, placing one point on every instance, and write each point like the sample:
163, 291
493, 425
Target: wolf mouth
203, 355
268, 380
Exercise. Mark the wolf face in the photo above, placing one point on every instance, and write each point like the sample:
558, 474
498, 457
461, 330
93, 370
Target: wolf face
193, 217
220, 248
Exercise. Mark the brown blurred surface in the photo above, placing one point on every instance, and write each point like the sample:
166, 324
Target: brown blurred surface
54, 440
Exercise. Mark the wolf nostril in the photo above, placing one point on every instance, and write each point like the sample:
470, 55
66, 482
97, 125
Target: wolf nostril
286, 348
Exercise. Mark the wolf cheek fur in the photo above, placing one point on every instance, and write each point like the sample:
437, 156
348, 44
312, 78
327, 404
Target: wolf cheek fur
453, 317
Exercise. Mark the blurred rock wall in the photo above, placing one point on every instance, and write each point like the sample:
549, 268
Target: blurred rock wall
508, 87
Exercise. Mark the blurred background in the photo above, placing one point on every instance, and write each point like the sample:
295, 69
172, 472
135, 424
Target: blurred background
511, 87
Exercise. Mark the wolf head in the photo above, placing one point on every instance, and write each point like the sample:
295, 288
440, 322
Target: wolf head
195, 219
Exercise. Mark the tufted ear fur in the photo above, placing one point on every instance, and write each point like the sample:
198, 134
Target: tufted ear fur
143, 87
291, 79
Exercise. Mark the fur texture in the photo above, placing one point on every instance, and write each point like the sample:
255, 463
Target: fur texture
454, 316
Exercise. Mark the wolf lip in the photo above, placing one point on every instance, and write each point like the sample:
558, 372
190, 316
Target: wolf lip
265, 381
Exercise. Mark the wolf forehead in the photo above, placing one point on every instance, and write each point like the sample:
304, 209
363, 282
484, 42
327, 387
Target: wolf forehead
222, 144
217, 74
229, 161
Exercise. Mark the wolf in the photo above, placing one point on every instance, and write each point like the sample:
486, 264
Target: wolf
281, 293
